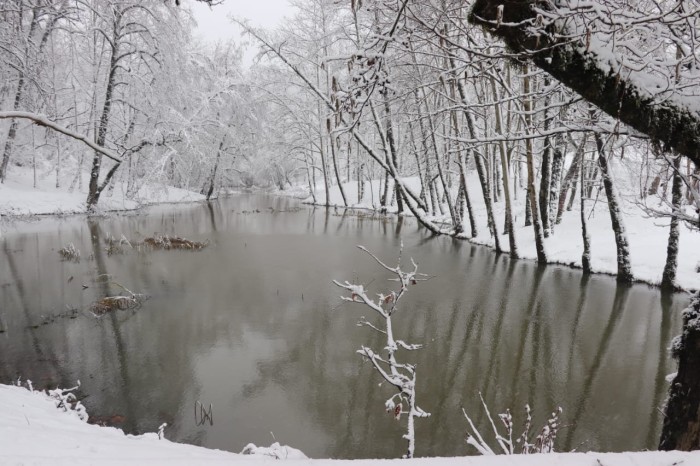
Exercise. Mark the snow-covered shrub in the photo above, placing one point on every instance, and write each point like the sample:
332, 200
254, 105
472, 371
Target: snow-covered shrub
543, 443
64, 398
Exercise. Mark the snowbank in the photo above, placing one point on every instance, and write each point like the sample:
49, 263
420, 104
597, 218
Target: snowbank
33, 431
19, 197
647, 236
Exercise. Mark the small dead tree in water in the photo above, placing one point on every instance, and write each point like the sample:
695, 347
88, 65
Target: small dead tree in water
401, 375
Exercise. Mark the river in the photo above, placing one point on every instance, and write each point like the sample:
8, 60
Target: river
254, 326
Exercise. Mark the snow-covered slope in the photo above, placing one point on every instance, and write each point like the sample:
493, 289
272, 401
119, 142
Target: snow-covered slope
647, 236
19, 197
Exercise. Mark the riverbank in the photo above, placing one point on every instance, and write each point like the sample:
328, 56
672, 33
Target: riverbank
19, 196
647, 236
34, 431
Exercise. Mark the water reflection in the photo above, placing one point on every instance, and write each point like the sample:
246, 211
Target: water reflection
253, 325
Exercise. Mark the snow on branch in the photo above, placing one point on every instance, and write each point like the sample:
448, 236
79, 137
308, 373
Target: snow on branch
41, 120
592, 48
402, 376
542, 443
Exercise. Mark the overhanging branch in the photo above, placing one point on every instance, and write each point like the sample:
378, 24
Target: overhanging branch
671, 122
43, 121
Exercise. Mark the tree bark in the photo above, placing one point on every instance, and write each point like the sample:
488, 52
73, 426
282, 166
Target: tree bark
504, 171
585, 235
669, 276
212, 179
478, 160
681, 428
624, 270
546, 172
12, 133
570, 178
532, 195
333, 141
94, 190
557, 166
391, 139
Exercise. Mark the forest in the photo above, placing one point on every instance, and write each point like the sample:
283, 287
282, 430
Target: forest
454, 125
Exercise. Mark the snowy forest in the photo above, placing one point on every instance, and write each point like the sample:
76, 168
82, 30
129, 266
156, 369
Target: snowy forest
558, 131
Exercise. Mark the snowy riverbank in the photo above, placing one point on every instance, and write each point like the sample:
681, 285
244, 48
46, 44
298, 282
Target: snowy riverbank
19, 197
34, 431
647, 236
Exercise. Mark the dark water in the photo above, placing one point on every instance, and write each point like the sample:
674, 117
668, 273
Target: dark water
253, 325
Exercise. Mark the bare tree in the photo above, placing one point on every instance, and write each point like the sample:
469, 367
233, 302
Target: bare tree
400, 375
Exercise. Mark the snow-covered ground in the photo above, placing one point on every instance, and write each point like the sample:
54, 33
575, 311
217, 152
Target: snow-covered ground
34, 431
19, 197
647, 236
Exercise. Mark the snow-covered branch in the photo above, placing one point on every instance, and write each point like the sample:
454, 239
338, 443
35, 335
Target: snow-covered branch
400, 375
41, 120
564, 42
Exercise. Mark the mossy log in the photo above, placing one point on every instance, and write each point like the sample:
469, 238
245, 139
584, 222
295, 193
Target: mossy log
670, 123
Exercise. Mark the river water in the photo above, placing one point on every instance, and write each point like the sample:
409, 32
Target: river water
254, 326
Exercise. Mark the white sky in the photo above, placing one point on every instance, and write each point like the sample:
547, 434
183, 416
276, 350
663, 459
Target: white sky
213, 23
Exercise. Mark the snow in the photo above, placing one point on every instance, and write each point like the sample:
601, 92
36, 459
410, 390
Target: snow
647, 236
33, 431
18, 196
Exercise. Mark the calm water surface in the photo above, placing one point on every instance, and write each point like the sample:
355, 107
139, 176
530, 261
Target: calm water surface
254, 326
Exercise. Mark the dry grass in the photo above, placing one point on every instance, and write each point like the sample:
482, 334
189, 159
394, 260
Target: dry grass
70, 253
174, 242
116, 246
118, 303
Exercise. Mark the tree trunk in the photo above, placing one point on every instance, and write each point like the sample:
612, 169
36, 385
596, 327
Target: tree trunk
624, 270
321, 145
666, 121
570, 178
586, 256
456, 223
557, 166
504, 171
532, 195
480, 169
333, 142
423, 185
392, 147
669, 276
212, 179
94, 190
681, 428
546, 172
12, 133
